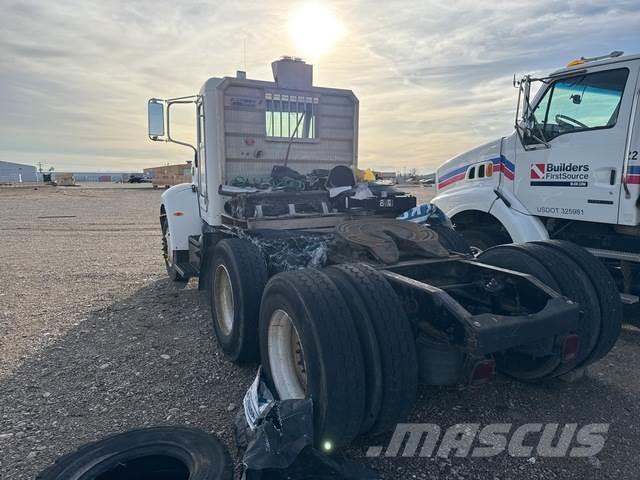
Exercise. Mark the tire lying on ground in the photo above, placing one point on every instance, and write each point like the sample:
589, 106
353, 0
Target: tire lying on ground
238, 276
159, 453
391, 362
568, 279
451, 239
606, 292
310, 349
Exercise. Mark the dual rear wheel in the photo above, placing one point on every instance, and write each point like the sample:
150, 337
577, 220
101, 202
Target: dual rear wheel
338, 336
575, 273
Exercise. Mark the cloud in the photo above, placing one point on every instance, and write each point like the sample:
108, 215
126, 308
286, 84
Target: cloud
433, 78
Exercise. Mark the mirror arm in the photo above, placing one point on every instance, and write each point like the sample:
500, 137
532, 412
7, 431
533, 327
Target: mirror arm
540, 139
172, 140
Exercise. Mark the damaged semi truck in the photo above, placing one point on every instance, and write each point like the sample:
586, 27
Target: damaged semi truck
312, 273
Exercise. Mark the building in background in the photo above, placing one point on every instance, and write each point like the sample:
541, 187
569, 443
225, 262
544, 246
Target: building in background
86, 177
17, 173
169, 175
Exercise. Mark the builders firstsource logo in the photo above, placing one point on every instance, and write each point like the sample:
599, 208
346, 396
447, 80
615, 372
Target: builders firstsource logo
559, 175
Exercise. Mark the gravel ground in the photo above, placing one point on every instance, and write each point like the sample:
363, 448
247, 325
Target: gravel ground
94, 340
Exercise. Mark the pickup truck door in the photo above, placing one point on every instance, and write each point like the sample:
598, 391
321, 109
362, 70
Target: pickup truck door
585, 120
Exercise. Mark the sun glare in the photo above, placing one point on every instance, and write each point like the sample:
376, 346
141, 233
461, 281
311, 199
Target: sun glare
314, 30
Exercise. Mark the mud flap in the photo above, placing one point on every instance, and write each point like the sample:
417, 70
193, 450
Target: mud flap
276, 441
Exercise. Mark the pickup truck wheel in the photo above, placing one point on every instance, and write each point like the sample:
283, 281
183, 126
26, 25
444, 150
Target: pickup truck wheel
519, 363
159, 453
310, 349
451, 239
169, 255
385, 316
606, 293
238, 276
574, 284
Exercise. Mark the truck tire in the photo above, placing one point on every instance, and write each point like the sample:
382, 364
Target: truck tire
482, 239
368, 343
451, 239
574, 284
564, 278
171, 257
396, 343
238, 276
515, 362
159, 453
606, 292
310, 349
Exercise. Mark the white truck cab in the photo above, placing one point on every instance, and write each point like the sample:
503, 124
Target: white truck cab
243, 128
570, 170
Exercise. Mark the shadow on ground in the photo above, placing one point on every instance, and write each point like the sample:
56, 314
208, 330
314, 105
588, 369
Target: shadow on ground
151, 359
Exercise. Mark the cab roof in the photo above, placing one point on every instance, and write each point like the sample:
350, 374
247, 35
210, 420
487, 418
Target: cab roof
585, 63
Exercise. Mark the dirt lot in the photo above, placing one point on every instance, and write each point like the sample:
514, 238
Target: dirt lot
94, 340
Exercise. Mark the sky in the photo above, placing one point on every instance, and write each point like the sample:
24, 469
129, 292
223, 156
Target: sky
433, 78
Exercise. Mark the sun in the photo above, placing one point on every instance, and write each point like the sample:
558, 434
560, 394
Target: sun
314, 30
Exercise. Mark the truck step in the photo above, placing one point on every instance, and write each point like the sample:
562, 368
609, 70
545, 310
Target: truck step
628, 299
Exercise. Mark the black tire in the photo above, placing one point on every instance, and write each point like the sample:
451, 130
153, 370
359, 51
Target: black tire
606, 291
328, 345
482, 239
516, 363
173, 257
575, 285
237, 264
568, 280
159, 453
371, 354
396, 342
451, 239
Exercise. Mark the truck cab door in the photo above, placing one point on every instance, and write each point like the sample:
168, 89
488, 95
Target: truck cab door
203, 198
584, 118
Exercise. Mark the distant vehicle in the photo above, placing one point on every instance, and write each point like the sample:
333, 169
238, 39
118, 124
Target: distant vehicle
428, 180
385, 182
138, 179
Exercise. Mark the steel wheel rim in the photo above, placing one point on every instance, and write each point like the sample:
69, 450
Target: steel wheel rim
223, 294
286, 357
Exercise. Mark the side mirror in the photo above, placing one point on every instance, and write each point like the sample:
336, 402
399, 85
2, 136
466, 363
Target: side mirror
526, 104
155, 110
